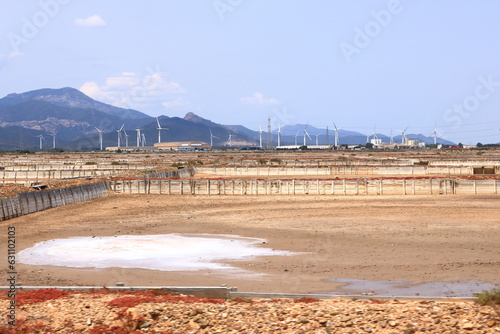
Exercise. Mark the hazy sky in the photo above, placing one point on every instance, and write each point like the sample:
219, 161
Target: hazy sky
360, 64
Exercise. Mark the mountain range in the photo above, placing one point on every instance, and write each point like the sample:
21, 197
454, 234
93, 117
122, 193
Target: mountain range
74, 118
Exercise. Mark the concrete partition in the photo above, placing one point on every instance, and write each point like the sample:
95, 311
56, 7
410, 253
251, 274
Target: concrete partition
307, 187
27, 203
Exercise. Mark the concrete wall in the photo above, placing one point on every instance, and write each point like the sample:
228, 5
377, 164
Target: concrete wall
30, 176
335, 170
185, 172
98, 166
26, 203
307, 187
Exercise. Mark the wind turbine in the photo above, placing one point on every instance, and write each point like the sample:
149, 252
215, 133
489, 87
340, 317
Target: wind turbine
143, 139
126, 138
403, 135
100, 136
391, 140
138, 137
229, 139
119, 132
159, 129
212, 138
53, 139
336, 135
260, 137
374, 134
435, 133
317, 135
306, 134
41, 139
296, 137
279, 135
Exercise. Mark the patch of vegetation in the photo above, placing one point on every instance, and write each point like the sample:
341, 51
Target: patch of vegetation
37, 296
90, 163
114, 163
489, 297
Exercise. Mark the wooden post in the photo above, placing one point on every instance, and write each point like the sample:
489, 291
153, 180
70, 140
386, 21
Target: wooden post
344, 186
208, 187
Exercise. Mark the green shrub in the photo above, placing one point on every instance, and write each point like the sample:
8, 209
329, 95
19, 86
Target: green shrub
91, 163
489, 297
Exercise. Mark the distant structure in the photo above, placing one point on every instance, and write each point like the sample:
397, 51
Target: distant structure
183, 146
167, 146
269, 135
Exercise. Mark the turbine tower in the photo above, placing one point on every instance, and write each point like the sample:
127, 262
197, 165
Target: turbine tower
317, 136
41, 141
119, 132
374, 134
269, 135
100, 137
336, 135
229, 139
306, 134
53, 140
138, 137
159, 130
126, 138
403, 132
435, 133
296, 137
260, 137
212, 138
279, 135
143, 139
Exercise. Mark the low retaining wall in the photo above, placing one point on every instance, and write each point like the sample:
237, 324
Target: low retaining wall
336, 170
305, 187
185, 172
30, 176
26, 203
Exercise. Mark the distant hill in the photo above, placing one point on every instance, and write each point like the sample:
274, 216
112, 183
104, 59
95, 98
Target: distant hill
70, 98
73, 117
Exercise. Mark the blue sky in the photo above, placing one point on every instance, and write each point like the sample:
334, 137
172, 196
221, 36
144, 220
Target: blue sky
361, 64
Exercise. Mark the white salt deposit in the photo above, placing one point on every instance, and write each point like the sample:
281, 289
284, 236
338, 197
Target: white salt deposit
167, 252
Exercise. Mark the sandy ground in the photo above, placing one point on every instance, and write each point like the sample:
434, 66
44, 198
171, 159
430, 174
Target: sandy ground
415, 238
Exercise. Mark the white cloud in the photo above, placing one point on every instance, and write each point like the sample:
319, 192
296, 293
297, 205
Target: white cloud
259, 99
15, 54
145, 93
91, 21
